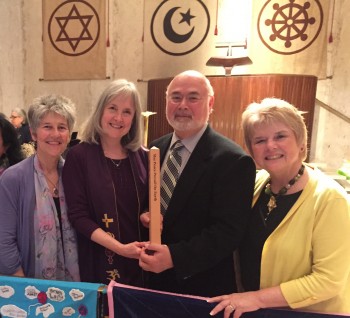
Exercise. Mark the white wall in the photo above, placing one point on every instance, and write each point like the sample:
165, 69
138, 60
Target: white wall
331, 143
11, 56
21, 69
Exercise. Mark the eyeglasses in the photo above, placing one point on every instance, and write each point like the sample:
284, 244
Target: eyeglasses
14, 117
190, 98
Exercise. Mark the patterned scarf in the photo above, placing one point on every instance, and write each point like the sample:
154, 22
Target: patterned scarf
56, 255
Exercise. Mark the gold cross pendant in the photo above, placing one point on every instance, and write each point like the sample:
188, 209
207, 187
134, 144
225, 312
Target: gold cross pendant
106, 220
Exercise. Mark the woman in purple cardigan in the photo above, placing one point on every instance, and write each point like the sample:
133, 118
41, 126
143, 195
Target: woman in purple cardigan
106, 185
36, 238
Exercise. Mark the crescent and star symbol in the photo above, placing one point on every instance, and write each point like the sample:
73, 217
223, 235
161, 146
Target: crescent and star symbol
168, 28
180, 27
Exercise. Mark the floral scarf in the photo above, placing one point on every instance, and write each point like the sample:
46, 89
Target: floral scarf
56, 255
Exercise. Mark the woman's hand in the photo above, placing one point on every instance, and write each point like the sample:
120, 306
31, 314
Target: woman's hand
236, 304
239, 303
131, 250
19, 273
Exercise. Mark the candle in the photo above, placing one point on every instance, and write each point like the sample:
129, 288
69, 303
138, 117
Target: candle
154, 195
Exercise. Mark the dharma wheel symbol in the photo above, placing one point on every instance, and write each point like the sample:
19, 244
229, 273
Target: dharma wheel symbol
291, 18
290, 27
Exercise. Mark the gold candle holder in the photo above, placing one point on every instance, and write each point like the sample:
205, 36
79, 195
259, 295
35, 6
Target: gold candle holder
146, 115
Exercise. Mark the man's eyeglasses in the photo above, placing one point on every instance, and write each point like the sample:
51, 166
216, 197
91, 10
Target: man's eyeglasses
190, 98
14, 117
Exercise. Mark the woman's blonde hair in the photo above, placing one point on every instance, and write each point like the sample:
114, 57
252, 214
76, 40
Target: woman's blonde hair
274, 110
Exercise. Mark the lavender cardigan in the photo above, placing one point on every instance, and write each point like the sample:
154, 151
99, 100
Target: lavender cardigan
17, 203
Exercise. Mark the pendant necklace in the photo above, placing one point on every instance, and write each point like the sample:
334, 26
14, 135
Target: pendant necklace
272, 204
117, 164
55, 191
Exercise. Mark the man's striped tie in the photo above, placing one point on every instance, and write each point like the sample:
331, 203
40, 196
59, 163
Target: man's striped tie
170, 175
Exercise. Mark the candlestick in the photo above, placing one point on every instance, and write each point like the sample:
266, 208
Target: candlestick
154, 195
146, 115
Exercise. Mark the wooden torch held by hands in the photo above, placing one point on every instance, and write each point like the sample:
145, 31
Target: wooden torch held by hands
154, 195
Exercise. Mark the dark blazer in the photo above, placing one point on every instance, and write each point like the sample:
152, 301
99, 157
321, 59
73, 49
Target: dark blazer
206, 216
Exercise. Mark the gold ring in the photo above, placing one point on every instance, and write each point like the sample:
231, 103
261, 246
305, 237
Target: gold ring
232, 308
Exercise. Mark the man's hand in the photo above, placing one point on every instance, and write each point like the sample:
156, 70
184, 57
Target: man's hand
158, 260
145, 219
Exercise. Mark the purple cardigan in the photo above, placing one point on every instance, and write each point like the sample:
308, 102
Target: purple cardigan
88, 189
17, 204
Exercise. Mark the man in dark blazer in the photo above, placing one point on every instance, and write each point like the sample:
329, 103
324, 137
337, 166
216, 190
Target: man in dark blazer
209, 208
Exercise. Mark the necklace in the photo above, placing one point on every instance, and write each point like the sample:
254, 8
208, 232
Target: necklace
55, 191
117, 164
272, 204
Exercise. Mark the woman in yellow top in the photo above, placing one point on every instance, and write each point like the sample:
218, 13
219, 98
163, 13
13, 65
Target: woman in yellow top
296, 251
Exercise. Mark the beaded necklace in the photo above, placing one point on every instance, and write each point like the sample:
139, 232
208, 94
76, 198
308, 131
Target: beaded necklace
272, 204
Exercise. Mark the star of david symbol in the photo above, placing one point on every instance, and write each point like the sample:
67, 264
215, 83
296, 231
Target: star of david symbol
72, 17
74, 27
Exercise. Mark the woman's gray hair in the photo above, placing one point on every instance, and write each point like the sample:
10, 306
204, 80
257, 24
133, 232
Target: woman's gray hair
21, 113
93, 129
53, 103
272, 110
